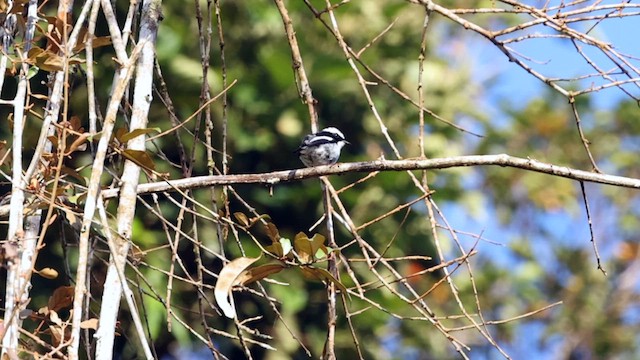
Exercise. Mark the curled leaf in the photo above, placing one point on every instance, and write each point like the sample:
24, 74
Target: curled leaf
318, 247
57, 334
227, 278
46, 60
74, 174
310, 250
286, 246
53, 316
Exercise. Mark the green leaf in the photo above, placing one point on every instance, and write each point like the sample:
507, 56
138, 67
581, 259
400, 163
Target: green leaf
33, 71
322, 253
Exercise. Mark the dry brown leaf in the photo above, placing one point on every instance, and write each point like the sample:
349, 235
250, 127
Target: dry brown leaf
61, 298
227, 278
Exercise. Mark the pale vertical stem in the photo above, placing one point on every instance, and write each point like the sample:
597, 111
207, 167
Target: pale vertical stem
17, 292
8, 27
225, 119
55, 97
142, 96
329, 352
116, 36
29, 238
128, 294
91, 92
421, 59
173, 244
126, 29
32, 18
3, 69
92, 195
15, 234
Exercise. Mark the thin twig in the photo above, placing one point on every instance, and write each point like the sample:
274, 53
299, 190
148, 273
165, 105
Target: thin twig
593, 238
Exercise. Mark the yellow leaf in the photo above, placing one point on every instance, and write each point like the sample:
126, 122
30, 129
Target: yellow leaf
89, 324
47, 273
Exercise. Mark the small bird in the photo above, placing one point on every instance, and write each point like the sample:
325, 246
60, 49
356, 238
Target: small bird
321, 148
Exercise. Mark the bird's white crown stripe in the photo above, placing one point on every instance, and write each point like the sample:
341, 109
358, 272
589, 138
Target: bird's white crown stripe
320, 138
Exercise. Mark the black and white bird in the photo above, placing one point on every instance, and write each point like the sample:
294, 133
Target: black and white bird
321, 148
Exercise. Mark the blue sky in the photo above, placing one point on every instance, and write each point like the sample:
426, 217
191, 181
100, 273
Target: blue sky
553, 58
558, 58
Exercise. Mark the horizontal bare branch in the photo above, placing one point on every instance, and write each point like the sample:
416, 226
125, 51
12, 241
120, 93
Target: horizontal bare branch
276, 177
273, 178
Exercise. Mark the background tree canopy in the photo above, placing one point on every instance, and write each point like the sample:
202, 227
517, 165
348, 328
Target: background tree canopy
530, 255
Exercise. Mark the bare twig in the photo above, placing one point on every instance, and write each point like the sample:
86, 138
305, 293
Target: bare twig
593, 239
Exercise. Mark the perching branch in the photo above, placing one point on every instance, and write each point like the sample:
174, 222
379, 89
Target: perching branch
276, 177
